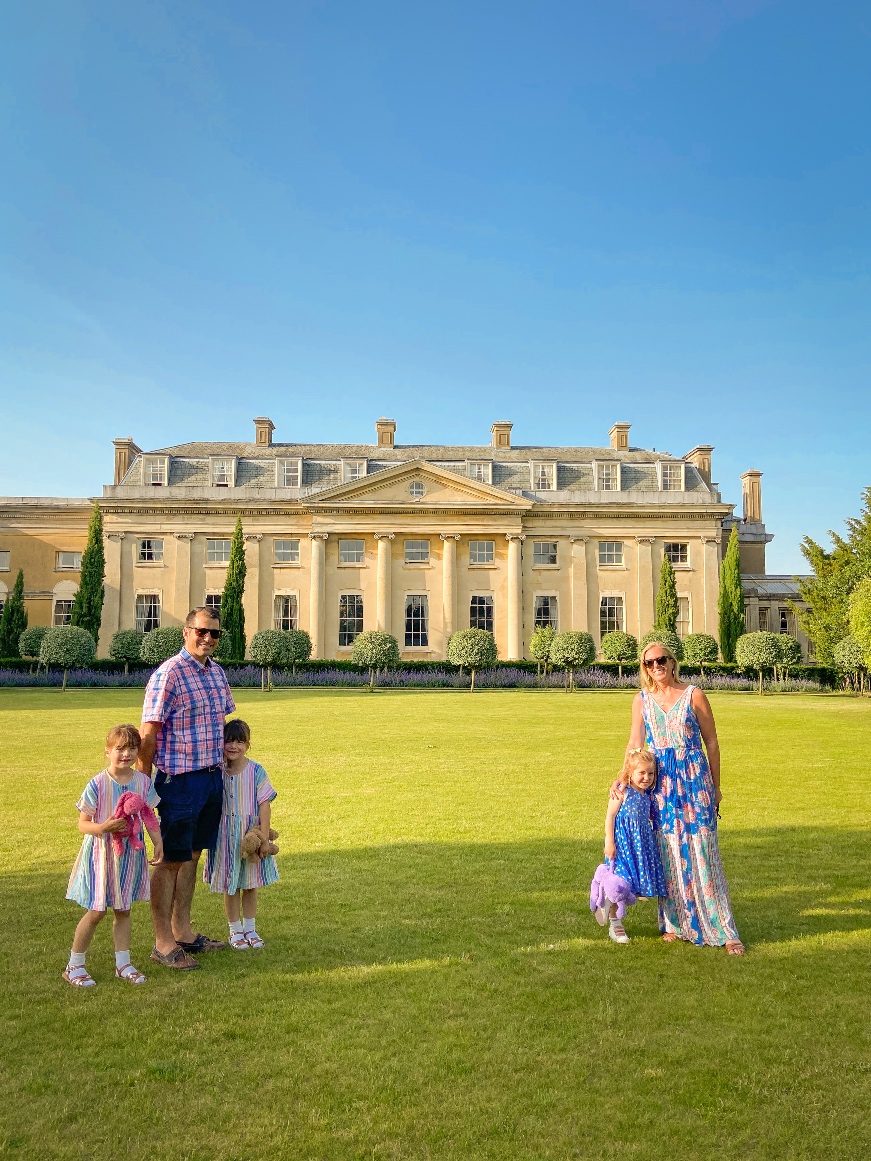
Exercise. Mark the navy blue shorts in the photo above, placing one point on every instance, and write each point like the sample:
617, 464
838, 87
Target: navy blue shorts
190, 811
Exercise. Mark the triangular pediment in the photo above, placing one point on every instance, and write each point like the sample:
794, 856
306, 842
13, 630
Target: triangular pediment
401, 485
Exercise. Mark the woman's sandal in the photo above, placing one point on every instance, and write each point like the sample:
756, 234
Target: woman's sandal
129, 973
239, 941
255, 941
669, 937
78, 977
735, 947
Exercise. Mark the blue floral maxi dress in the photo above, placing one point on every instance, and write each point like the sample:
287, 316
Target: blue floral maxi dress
697, 907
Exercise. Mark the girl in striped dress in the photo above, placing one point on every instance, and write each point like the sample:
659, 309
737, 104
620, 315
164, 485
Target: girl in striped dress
101, 879
248, 794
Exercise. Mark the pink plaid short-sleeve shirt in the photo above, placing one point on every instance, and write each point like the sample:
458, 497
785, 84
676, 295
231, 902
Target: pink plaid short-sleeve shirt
191, 702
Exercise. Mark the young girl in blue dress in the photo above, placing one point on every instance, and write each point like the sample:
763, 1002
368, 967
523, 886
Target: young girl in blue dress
633, 865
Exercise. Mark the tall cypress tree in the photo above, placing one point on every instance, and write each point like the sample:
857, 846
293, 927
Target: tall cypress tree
88, 604
731, 599
14, 619
232, 612
666, 599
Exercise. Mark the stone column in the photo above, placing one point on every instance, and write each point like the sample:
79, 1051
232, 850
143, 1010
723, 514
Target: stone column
317, 591
111, 619
580, 618
711, 583
515, 596
646, 595
181, 596
383, 578
251, 596
449, 583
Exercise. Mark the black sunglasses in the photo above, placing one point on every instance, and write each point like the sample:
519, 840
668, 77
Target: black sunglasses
213, 633
649, 662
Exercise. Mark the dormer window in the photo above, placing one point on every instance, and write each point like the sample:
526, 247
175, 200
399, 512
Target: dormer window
223, 471
288, 473
607, 476
353, 470
481, 470
543, 477
156, 473
671, 476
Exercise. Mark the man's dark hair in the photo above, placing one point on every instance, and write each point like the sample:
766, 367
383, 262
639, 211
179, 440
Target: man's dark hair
192, 615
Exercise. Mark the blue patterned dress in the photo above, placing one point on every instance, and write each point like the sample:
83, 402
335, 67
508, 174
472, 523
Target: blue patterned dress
638, 860
697, 906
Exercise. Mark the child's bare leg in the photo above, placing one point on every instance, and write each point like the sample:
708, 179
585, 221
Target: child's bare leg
249, 911
233, 906
87, 925
121, 930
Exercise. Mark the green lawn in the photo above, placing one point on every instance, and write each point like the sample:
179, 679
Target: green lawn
433, 984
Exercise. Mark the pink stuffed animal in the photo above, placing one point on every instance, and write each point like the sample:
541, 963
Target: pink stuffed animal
132, 808
607, 887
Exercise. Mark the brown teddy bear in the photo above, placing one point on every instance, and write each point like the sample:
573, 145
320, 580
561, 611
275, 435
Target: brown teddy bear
253, 841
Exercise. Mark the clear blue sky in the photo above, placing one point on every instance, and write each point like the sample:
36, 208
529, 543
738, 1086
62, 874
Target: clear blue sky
558, 213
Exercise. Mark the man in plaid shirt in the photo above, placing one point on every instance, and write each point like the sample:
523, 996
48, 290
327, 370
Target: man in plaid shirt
186, 702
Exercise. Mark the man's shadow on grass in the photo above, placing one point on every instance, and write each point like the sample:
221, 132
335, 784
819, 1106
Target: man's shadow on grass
428, 901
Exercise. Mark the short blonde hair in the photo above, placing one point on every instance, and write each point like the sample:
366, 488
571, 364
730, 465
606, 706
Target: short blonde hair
647, 682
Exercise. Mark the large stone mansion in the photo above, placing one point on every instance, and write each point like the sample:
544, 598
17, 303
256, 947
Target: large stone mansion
418, 541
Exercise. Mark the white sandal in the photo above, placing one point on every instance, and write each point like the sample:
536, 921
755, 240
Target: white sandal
617, 932
239, 941
131, 974
78, 977
254, 940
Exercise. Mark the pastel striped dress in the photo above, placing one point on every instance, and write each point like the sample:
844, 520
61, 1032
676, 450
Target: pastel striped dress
224, 869
100, 879
697, 906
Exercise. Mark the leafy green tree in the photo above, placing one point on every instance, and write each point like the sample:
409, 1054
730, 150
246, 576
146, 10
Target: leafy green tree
267, 649
789, 653
14, 619
850, 659
232, 643
758, 651
826, 620
731, 599
473, 648
159, 645
87, 610
701, 649
664, 637
374, 650
860, 616
69, 647
297, 647
620, 647
539, 645
572, 651
666, 599
30, 641
126, 646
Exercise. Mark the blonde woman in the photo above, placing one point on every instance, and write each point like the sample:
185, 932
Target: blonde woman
674, 718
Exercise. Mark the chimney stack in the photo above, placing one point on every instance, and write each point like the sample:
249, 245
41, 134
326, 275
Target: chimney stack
751, 489
125, 453
386, 430
500, 434
263, 429
700, 457
619, 435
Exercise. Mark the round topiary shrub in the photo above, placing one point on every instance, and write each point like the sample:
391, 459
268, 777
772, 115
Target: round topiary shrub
266, 649
161, 644
297, 647
850, 659
758, 651
620, 647
473, 648
664, 637
68, 647
539, 645
572, 651
701, 649
789, 653
374, 650
30, 641
126, 646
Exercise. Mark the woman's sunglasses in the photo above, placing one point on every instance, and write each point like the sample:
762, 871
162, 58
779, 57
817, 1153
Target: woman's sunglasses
661, 662
213, 633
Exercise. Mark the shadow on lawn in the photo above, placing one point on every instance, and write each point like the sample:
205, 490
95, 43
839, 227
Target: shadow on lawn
399, 904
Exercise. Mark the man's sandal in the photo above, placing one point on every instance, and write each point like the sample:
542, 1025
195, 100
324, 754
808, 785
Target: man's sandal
178, 958
201, 943
239, 941
254, 940
129, 973
78, 977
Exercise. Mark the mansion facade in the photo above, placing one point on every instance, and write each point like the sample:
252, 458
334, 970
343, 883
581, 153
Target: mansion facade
417, 541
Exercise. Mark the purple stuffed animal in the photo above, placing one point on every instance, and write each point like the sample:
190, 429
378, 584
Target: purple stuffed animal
606, 888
